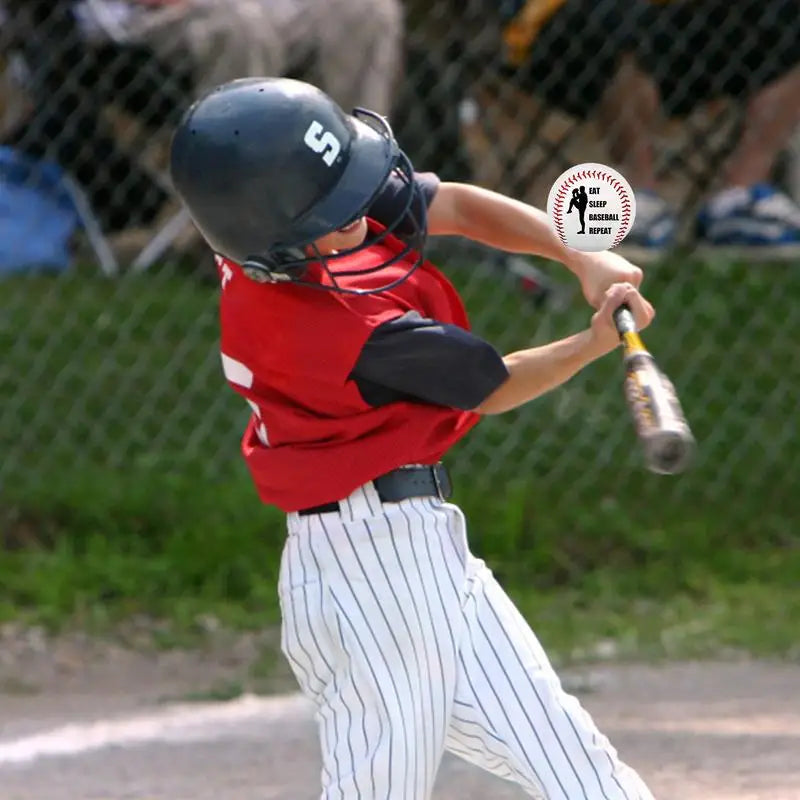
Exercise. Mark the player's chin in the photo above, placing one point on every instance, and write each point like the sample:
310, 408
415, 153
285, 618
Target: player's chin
352, 235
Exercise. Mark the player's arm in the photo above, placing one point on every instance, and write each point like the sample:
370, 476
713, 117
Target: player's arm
534, 372
460, 209
417, 359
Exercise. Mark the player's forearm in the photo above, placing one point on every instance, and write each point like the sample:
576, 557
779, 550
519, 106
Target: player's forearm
507, 224
536, 371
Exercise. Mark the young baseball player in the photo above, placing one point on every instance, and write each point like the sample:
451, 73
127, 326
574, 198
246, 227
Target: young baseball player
355, 356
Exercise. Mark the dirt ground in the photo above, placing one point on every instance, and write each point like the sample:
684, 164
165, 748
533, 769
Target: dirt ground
80, 721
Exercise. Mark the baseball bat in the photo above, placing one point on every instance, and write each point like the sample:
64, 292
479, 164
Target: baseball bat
658, 418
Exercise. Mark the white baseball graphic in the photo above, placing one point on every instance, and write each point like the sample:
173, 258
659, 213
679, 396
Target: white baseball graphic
591, 207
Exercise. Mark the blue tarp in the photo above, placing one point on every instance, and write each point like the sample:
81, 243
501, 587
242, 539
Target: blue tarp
37, 215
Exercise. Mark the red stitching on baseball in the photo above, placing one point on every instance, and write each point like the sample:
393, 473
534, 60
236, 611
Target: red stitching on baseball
625, 204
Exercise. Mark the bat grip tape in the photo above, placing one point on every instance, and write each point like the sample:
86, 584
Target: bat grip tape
626, 327
623, 319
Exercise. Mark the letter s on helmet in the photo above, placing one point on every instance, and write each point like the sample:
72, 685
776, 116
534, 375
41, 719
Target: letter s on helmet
266, 166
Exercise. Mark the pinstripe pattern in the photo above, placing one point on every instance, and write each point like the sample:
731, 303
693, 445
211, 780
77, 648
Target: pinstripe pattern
409, 646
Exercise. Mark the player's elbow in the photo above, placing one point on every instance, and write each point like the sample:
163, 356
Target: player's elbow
489, 407
491, 375
497, 402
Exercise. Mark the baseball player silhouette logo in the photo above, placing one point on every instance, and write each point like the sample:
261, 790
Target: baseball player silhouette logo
356, 358
579, 200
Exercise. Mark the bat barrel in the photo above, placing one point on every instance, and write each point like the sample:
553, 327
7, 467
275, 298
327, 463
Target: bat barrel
669, 451
666, 438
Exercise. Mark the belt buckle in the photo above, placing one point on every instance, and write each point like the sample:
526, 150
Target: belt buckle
442, 481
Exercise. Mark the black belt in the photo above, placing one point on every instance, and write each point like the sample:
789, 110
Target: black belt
400, 484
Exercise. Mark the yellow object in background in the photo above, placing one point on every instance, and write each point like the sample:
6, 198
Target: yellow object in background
520, 33
523, 29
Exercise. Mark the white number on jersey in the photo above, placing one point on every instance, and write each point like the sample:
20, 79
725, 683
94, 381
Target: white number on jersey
227, 272
323, 142
236, 372
242, 375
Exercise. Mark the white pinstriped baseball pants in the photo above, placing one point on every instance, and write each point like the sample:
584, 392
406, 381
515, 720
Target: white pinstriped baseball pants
408, 646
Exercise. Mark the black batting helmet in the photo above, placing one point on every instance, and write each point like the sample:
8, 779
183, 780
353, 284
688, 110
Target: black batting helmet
267, 166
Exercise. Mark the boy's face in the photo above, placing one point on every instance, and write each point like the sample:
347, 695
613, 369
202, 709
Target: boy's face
345, 238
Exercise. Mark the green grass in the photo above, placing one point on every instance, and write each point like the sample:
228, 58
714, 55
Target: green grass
122, 491
171, 548
707, 610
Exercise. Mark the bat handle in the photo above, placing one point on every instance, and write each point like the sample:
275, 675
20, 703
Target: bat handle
624, 321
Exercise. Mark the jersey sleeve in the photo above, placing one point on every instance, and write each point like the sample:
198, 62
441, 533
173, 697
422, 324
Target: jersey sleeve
392, 200
415, 358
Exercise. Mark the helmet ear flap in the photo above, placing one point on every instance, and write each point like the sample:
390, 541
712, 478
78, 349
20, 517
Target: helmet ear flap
264, 268
274, 266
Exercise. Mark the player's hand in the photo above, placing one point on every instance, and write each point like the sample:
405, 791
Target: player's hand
599, 271
604, 332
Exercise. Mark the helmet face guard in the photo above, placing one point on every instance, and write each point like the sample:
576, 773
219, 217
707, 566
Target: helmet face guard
292, 262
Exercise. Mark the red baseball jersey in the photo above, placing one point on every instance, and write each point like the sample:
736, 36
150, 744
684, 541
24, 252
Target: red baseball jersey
290, 350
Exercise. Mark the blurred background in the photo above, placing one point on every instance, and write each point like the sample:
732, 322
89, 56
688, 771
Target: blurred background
122, 492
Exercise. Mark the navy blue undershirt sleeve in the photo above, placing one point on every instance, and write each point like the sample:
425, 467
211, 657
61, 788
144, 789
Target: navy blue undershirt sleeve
415, 358
391, 203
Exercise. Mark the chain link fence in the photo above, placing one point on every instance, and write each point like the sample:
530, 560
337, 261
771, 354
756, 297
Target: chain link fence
110, 358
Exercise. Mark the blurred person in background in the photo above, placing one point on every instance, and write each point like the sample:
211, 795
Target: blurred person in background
692, 51
68, 83
148, 57
631, 62
351, 48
